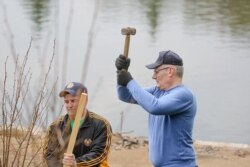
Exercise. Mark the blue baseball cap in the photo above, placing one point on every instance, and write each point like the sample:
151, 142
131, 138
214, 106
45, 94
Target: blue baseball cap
166, 57
72, 88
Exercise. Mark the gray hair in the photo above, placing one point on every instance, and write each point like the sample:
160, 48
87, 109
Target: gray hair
179, 71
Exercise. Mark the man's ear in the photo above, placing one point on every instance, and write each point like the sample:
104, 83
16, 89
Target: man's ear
87, 99
171, 72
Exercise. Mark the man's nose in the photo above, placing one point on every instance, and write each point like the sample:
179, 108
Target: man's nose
154, 76
70, 104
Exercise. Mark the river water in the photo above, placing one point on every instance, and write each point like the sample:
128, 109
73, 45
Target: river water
212, 37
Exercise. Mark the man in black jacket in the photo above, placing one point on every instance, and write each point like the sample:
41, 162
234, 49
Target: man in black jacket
93, 139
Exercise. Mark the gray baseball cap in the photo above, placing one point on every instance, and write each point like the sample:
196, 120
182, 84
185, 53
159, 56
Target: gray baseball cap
72, 88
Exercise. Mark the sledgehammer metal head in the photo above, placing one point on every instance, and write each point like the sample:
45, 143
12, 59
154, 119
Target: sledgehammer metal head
127, 31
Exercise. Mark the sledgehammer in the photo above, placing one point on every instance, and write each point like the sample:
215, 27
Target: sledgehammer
127, 31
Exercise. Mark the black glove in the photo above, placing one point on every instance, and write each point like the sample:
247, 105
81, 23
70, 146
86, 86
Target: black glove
122, 63
123, 78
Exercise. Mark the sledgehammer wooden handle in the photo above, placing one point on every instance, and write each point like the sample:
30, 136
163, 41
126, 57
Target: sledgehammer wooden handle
127, 31
80, 113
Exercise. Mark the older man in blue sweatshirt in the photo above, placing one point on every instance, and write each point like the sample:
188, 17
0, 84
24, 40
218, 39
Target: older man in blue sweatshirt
171, 107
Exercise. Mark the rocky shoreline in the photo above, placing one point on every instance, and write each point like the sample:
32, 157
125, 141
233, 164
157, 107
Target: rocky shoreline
130, 142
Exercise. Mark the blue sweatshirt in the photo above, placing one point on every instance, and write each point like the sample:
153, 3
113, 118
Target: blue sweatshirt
170, 122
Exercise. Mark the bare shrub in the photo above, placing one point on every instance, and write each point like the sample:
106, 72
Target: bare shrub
21, 141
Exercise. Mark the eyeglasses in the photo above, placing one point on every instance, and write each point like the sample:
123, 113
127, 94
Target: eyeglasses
157, 71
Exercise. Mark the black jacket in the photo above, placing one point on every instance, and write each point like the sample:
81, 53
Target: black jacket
92, 143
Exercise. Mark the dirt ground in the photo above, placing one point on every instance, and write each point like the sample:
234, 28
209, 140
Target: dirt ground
133, 152
127, 151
